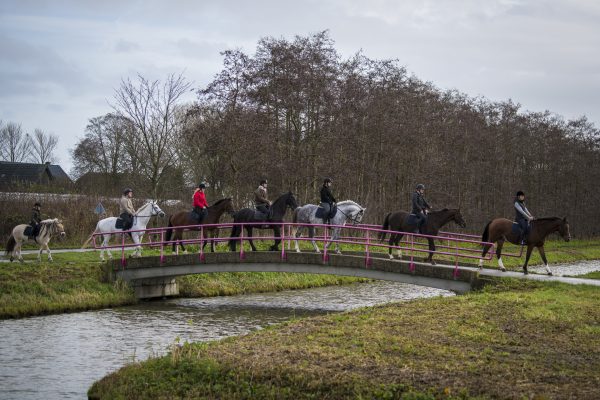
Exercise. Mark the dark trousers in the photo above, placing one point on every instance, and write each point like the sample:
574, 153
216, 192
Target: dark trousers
200, 214
263, 208
35, 229
326, 211
524, 226
127, 220
421, 221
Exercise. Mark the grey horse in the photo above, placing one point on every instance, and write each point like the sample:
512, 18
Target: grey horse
347, 210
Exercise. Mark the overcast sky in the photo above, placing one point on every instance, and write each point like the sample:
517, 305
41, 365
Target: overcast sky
60, 61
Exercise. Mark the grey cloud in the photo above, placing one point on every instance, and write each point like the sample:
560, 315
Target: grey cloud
125, 46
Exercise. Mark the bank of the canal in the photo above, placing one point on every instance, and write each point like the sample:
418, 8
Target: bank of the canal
74, 281
516, 340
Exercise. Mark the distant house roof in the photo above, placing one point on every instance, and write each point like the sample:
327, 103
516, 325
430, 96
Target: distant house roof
13, 172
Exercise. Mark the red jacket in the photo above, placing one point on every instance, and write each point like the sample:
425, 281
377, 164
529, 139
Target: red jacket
200, 199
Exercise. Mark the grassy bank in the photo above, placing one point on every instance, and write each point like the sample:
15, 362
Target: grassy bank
522, 340
73, 282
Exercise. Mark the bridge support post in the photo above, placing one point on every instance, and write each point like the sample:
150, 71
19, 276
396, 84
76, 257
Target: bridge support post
155, 287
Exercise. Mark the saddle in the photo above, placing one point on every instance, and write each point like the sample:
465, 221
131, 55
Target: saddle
261, 216
28, 231
198, 217
321, 212
411, 219
516, 229
121, 224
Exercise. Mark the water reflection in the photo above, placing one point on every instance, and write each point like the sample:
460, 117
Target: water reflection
60, 356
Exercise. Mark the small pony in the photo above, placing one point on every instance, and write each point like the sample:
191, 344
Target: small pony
48, 228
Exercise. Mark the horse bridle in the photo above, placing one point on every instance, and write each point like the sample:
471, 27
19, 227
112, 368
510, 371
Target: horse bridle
354, 220
151, 215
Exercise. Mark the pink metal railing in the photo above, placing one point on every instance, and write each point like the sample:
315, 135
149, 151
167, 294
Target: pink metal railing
362, 237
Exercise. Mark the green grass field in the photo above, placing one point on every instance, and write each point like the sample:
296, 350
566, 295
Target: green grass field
521, 340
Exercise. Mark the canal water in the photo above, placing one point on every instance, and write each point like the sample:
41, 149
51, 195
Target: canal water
60, 356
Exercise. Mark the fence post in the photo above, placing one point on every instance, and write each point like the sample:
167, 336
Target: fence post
201, 243
123, 259
325, 256
242, 256
162, 246
368, 258
412, 253
456, 273
283, 241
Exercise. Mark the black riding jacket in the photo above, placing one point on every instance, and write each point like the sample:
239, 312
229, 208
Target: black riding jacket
419, 204
326, 196
36, 217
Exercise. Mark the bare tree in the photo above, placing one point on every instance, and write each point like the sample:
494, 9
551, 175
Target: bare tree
151, 107
102, 149
14, 145
42, 146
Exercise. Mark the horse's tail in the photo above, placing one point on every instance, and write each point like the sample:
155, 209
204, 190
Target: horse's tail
10, 245
384, 227
89, 239
169, 231
486, 232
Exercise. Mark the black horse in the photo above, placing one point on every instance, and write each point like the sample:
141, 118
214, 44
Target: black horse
402, 222
278, 210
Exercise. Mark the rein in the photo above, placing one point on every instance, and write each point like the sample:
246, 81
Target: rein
354, 222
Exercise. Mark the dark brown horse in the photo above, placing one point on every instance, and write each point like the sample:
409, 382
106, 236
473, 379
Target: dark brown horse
278, 210
500, 230
398, 221
184, 218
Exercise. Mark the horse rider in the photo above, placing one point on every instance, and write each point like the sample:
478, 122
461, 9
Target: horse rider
199, 202
261, 199
36, 219
420, 207
523, 216
126, 209
327, 200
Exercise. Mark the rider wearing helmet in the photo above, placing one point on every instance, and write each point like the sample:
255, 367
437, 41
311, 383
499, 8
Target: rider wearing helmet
199, 202
420, 207
126, 209
36, 219
327, 200
523, 216
261, 199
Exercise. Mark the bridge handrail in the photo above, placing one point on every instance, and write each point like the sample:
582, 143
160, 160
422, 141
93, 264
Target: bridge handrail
358, 240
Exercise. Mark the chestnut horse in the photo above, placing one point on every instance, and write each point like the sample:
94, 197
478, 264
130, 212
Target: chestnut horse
398, 221
184, 218
500, 230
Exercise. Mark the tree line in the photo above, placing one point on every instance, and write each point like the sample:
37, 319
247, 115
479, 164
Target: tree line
16, 145
295, 112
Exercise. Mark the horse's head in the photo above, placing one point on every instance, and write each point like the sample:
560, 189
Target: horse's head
229, 206
563, 229
290, 201
59, 227
458, 218
156, 210
360, 213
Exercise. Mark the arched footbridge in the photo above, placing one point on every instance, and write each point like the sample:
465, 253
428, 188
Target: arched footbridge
154, 276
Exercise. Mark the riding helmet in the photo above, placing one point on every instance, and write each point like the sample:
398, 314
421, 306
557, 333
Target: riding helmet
37, 204
262, 181
520, 193
126, 191
327, 180
420, 186
202, 185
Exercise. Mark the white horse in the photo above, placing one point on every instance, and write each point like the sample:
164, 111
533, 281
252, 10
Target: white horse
347, 210
107, 228
48, 227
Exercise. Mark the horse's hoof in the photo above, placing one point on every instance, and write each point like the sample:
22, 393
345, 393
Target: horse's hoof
433, 262
391, 257
503, 269
525, 272
298, 251
12, 259
550, 274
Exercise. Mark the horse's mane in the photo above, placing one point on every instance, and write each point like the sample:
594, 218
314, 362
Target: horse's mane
547, 219
349, 202
216, 203
49, 221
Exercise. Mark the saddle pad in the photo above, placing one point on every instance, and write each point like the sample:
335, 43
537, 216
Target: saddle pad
321, 212
119, 223
411, 219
